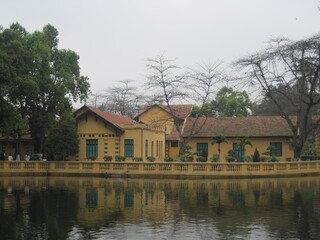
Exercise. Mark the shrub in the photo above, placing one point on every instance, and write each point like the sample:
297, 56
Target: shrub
168, 159
273, 159
151, 159
186, 149
215, 158
182, 158
36, 156
108, 158
263, 159
256, 156
231, 157
309, 149
310, 157
120, 159
201, 159
137, 159
247, 158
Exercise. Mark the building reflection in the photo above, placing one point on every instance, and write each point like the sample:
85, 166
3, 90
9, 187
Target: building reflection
98, 202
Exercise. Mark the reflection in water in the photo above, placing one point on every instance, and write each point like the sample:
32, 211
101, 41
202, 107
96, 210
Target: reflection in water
97, 208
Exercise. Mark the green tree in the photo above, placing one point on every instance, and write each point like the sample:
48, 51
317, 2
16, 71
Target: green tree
39, 80
230, 103
227, 103
218, 140
62, 138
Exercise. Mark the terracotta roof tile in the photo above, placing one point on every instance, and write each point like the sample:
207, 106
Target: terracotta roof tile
260, 126
111, 117
173, 135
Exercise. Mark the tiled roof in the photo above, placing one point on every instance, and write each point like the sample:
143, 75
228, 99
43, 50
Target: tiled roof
111, 117
173, 135
180, 111
260, 126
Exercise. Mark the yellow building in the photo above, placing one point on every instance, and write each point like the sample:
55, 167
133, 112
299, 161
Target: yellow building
104, 135
168, 119
267, 134
264, 132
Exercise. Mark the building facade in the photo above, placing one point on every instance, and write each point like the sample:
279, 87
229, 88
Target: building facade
270, 135
105, 136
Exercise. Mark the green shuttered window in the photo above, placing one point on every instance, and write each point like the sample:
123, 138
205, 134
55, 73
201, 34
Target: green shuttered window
92, 148
202, 149
128, 148
275, 149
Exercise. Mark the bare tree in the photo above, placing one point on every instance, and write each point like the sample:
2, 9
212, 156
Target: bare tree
284, 68
168, 82
204, 81
95, 99
165, 78
124, 99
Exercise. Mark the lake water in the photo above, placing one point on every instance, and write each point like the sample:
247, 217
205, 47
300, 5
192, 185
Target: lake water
98, 208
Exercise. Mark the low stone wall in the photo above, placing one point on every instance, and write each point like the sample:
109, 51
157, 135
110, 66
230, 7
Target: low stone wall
175, 169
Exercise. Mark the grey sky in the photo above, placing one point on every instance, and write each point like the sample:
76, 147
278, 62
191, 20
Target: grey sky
114, 38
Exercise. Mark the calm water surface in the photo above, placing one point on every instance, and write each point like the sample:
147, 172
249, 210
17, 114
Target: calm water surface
97, 208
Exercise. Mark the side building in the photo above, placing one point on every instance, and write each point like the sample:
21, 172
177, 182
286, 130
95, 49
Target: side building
267, 134
110, 136
270, 135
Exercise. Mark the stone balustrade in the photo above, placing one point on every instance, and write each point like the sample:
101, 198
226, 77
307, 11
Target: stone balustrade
173, 169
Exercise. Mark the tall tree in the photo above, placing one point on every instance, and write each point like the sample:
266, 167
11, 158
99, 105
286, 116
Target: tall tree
267, 107
204, 80
41, 80
167, 82
291, 65
171, 83
62, 137
13, 69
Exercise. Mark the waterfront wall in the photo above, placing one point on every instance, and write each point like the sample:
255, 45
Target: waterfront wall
175, 169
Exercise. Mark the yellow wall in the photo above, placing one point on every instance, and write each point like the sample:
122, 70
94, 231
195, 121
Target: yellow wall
91, 127
111, 143
260, 143
173, 151
140, 134
158, 117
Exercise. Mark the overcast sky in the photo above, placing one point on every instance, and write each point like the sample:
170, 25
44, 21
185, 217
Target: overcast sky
114, 38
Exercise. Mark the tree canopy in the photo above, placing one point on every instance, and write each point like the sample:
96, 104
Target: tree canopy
38, 80
227, 103
62, 137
